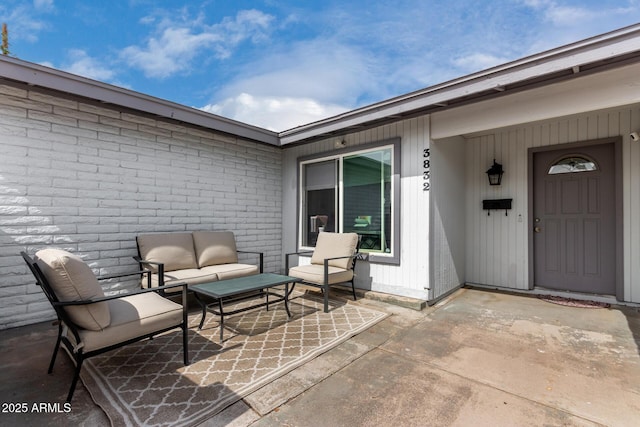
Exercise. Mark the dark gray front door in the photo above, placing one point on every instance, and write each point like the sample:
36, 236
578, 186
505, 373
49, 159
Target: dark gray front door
574, 219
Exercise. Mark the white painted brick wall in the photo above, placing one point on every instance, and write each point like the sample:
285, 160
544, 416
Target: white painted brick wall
88, 178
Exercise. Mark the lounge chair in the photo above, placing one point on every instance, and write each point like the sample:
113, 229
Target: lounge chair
90, 323
332, 262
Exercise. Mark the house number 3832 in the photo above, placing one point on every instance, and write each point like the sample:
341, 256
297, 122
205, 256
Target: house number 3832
426, 172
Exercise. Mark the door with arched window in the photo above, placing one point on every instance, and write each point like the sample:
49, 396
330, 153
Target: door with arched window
574, 211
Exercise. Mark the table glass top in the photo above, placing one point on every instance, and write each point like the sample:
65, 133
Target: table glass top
230, 287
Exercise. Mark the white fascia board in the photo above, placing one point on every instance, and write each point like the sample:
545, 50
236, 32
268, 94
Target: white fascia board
38, 75
608, 89
607, 46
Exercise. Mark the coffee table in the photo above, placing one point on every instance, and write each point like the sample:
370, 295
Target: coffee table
240, 288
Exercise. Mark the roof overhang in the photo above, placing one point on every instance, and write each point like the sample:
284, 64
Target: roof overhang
12, 69
608, 51
611, 50
609, 89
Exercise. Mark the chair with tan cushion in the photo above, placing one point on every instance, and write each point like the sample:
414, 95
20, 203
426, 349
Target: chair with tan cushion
90, 323
332, 262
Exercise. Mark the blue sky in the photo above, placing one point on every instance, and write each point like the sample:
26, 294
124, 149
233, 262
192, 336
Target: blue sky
279, 63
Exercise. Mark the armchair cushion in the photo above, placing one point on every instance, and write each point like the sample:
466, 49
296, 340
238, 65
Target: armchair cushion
215, 247
133, 316
314, 273
71, 279
174, 250
332, 245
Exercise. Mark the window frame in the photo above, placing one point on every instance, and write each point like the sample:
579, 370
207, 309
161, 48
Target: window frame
394, 144
572, 156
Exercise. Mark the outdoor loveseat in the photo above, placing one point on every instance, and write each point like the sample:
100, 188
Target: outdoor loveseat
192, 258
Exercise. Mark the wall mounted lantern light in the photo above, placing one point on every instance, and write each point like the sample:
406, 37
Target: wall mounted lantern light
495, 173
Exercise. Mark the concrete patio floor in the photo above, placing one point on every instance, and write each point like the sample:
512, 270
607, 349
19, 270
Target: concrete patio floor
478, 358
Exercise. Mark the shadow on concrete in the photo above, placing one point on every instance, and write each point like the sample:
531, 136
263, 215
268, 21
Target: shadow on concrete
633, 320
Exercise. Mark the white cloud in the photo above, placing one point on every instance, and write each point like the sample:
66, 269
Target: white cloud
561, 15
274, 113
560, 24
537, 3
82, 64
248, 24
21, 23
299, 83
170, 53
478, 61
320, 69
568, 16
43, 5
176, 45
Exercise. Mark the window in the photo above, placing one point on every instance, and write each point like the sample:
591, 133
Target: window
353, 192
573, 164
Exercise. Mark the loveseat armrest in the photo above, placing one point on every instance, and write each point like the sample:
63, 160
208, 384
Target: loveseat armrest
261, 254
159, 266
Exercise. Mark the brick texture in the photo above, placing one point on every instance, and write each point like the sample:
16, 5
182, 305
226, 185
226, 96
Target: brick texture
88, 178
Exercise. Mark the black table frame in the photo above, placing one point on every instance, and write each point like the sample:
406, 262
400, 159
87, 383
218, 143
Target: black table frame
241, 288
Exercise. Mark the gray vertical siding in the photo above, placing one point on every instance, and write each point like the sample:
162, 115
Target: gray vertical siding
411, 277
497, 246
448, 215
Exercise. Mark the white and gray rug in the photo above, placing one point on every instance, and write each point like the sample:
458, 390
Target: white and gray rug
146, 383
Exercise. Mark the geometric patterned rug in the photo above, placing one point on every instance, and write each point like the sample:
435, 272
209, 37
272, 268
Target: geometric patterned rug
147, 384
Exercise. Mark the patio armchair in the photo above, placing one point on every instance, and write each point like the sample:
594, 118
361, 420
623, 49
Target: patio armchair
90, 323
332, 262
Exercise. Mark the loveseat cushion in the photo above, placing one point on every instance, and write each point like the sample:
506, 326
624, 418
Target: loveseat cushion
215, 247
174, 250
190, 276
132, 317
332, 245
231, 271
71, 279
